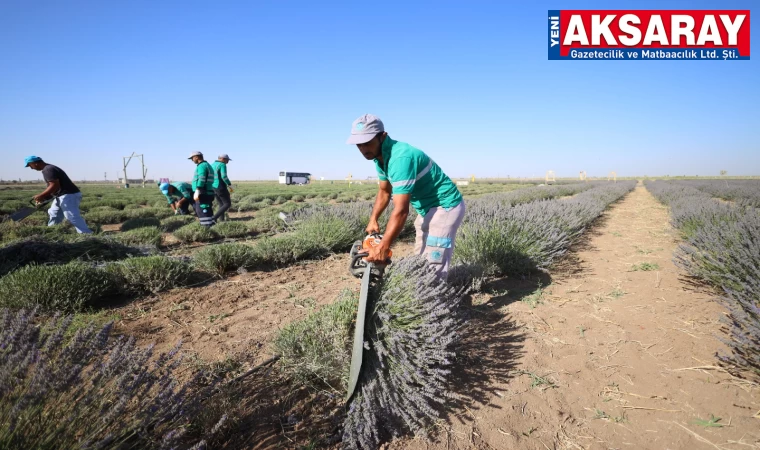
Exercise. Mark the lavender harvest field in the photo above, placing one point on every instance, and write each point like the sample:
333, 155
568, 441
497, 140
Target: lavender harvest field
551, 332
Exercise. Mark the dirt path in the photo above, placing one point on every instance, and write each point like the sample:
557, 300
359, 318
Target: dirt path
236, 318
604, 356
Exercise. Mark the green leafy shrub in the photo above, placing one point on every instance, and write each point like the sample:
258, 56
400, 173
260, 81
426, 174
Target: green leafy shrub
222, 258
195, 232
67, 287
317, 350
298, 198
141, 236
132, 224
132, 206
150, 274
231, 229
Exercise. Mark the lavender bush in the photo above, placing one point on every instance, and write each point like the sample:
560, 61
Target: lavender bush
317, 350
173, 223
722, 247
145, 236
68, 287
231, 230
133, 224
149, 274
92, 392
42, 250
742, 192
195, 232
222, 258
411, 329
504, 237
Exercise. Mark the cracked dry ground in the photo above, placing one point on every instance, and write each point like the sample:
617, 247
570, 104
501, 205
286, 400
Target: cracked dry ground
609, 357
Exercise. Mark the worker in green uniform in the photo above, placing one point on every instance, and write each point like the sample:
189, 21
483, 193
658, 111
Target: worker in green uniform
409, 177
222, 186
203, 189
179, 195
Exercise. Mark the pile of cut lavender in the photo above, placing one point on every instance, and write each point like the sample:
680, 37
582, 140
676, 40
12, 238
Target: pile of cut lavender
412, 328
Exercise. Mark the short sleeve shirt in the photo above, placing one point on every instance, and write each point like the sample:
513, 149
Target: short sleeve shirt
51, 173
411, 171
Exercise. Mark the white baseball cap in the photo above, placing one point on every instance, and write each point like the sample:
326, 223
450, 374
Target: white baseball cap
365, 128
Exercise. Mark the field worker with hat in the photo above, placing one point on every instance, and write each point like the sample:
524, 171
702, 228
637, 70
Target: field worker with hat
179, 195
67, 194
203, 189
222, 186
410, 177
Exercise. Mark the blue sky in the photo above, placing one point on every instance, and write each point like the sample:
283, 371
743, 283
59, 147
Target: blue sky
276, 85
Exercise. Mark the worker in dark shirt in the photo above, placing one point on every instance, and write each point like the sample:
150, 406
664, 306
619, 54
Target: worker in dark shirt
67, 194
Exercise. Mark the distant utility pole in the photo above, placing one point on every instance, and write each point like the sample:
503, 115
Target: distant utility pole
105, 177
126, 160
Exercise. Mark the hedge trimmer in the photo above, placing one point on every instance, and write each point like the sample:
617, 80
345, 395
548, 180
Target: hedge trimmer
368, 272
27, 211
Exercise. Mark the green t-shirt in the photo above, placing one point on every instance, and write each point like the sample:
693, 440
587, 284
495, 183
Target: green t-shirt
220, 170
204, 178
411, 171
182, 189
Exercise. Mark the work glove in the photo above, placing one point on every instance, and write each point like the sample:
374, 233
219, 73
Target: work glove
176, 211
197, 196
230, 189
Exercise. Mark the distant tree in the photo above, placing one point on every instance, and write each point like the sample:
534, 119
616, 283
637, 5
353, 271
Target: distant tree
723, 172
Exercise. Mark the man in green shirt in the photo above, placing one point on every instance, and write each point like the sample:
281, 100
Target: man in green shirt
222, 186
179, 195
203, 188
410, 177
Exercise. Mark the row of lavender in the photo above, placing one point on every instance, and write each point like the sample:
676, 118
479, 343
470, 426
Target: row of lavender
722, 247
741, 192
502, 238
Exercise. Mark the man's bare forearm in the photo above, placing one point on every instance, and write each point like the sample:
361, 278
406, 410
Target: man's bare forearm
381, 202
51, 187
395, 225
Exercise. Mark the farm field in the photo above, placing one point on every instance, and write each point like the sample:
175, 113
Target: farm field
583, 315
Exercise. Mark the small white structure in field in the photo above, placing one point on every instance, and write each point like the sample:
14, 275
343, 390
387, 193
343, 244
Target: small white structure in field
463, 183
550, 177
